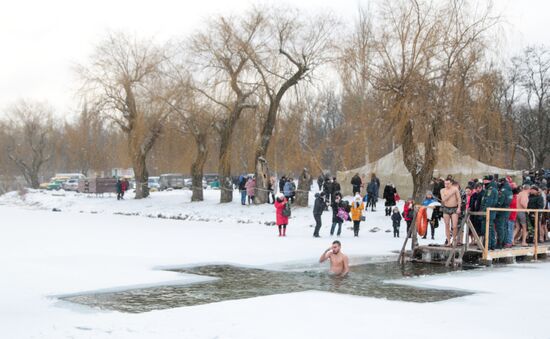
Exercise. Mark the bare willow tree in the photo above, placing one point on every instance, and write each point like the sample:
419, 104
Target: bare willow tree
194, 115
30, 131
533, 114
286, 49
125, 78
418, 46
86, 140
221, 69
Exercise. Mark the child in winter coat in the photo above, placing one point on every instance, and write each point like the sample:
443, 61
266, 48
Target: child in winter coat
281, 219
396, 219
357, 208
408, 211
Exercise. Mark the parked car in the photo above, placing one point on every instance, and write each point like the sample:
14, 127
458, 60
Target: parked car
172, 180
56, 184
70, 185
189, 183
153, 183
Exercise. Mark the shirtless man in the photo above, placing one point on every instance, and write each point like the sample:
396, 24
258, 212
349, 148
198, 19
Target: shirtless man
450, 199
339, 262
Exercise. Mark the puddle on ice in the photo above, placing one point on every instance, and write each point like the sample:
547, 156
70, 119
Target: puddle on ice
240, 283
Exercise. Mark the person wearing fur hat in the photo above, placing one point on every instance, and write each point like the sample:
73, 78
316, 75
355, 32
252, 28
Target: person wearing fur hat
357, 208
281, 219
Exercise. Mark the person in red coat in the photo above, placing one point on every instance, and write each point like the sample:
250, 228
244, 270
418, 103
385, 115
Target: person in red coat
282, 220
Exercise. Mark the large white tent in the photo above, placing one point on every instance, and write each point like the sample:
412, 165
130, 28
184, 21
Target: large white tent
391, 169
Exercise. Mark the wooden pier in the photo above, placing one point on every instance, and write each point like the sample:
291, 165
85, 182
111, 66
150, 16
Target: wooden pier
479, 253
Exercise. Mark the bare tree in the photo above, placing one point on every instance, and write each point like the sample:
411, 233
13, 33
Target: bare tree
533, 116
193, 115
30, 132
125, 75
286, 49
86, 140
222, 75
418, 48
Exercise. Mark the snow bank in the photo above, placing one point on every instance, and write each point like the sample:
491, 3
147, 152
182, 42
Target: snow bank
89, 246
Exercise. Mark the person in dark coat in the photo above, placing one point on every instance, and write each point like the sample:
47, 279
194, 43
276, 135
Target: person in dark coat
242, 189
389, 195
396, 221
118, 189
356, 183
337, 205
490, 199
336, 188
475, 206
372, 192
320, 181
501, 219
318, 208
282, 183
536, 202
328, 189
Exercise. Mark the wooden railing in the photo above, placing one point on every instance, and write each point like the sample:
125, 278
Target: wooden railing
467, 225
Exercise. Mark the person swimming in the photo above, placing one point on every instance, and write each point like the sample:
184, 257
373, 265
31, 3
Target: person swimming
339, 262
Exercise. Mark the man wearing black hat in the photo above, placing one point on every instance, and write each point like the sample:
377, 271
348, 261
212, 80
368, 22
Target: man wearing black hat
490, 199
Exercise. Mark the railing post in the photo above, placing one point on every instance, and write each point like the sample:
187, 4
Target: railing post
536, 235
486, 247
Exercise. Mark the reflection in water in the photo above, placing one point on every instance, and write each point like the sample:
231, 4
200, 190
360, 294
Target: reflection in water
239, 283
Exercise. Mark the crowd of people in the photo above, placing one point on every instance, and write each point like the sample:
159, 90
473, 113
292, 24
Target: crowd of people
507, 228
448, 200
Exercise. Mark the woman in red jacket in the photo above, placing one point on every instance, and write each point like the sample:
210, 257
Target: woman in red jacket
408, 211
282, 220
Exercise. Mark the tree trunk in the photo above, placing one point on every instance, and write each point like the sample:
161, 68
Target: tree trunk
34, 182
304, 185
224, 166
419, 162
141, 175
262, 181
197, 168
262, 168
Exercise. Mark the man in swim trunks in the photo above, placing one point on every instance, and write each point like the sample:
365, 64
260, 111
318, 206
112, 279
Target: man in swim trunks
339, 262
450, 199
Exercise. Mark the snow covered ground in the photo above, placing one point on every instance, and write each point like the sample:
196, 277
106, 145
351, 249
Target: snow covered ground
105, 244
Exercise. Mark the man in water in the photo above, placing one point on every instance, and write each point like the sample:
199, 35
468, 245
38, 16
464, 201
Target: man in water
339, 262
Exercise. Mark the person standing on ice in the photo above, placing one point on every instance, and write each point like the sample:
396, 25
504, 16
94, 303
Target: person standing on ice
281, 219
320, 181
118, 189
338, 214
389, 196
250, 189
396, 221
408, 213
357, 213
318, 208
356, 183
372, 192
339, 262
242, 189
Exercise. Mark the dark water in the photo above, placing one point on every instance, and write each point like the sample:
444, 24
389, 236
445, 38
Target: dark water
240, 283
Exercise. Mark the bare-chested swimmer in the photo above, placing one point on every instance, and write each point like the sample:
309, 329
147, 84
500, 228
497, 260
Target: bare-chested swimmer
339, 262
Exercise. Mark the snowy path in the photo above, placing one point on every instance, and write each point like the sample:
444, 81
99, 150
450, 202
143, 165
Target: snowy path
44, 253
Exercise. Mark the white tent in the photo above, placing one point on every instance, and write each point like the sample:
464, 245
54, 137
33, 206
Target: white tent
391, 169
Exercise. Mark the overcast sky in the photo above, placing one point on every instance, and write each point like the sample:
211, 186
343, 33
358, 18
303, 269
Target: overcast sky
42, 40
